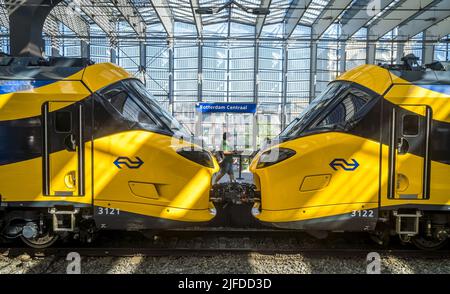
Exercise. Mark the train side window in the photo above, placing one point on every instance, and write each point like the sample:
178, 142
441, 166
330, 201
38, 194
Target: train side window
121, 100
132, 112
410, 125
117, 98
345, 110
63, 122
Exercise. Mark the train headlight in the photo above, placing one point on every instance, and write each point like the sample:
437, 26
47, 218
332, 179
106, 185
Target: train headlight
256, 209
273, 156
201, 156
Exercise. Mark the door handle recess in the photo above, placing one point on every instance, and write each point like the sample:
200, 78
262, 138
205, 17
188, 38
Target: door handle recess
70, 144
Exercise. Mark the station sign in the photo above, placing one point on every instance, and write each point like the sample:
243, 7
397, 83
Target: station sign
206, 107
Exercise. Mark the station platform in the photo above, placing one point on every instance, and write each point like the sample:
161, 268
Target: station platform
246, 177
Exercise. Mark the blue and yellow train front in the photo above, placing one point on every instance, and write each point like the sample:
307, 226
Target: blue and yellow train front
94, 144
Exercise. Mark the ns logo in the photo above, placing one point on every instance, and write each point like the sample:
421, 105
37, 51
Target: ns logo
124, 161
340, 163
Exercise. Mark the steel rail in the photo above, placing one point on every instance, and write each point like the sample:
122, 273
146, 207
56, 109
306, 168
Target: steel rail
183, 251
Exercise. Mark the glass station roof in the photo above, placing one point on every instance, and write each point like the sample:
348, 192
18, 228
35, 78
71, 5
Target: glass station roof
148, 16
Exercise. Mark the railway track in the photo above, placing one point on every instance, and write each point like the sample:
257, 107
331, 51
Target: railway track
213, 242
154, 252
129, 252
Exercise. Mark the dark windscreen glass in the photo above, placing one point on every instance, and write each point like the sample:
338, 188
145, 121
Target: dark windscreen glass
156, 109
316, 107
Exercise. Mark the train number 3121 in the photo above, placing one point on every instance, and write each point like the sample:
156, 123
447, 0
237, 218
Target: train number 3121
363, 213
108, 211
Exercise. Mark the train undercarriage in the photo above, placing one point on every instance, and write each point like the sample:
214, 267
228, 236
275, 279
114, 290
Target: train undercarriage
234, 202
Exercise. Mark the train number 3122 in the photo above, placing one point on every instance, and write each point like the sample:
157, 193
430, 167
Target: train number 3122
363, 213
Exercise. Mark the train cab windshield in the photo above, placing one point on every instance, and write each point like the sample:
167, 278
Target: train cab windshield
336, 107
138, 107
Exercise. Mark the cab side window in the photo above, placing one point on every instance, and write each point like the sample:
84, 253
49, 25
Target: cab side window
63, 121
346, 110
410, 125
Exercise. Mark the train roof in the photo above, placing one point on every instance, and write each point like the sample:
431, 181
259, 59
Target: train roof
18, 74
426, 76
380, 77
410, 71
52, 68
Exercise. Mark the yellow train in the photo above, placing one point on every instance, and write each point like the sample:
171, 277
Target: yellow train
84, 147
370, 153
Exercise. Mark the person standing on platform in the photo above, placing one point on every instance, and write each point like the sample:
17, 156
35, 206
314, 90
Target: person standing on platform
226, 166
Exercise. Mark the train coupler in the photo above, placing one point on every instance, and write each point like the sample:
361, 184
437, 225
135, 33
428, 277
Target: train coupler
236, 193
234, 203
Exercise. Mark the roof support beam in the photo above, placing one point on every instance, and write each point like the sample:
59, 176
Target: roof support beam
396, 16
400, 52
52, 30
113, 55
50, 25
284, 86
294, 14
197, 17
427, 51
438, 31
26, 23
59, 13
4, 18
312, 71
360, 19
331, 13
343, 58
371, 51
424, 20
85, 49
131, 15
72, 20
261, 18
431, 35
100, 15
164, 14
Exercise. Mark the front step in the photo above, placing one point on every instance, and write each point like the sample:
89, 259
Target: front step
63, 220
407, 224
